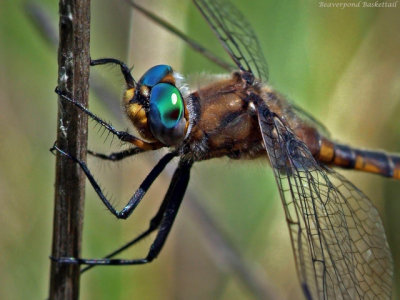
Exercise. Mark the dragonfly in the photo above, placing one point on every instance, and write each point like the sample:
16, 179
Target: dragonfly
338, 239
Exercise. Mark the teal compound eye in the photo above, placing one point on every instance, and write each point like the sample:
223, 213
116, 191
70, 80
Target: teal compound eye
166, 105
154, 75
166, 109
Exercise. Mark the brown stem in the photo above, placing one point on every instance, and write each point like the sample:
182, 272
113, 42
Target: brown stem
73, 75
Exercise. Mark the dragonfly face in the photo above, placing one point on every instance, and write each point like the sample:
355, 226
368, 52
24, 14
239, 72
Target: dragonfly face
338, 240
156, 107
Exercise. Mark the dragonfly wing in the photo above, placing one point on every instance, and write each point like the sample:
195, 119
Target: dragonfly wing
337, 236
236, 35
309, 119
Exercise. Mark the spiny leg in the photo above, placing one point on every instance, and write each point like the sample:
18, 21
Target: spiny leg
140, 192
122, 135
163, 220
116, 156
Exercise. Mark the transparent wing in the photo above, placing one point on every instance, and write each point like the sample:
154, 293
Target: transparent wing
337, 236
310, 119
236, 35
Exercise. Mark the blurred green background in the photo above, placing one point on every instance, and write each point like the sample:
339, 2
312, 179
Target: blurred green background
342, 65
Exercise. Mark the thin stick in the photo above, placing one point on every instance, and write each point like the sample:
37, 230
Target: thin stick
73, 75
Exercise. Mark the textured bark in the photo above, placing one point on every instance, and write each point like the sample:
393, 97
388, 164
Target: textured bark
73, 75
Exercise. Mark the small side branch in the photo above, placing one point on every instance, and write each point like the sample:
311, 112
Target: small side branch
73, 75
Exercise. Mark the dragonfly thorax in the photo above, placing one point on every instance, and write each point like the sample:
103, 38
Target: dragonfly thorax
223, 120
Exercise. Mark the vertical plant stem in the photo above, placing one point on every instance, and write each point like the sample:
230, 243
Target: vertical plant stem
73, 75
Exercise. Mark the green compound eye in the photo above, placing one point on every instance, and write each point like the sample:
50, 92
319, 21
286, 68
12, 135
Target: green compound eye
165, 114
166, 104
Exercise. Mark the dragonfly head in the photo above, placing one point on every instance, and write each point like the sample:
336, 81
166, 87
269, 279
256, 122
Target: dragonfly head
156, 107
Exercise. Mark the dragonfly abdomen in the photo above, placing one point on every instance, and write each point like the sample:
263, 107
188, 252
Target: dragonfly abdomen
378, 162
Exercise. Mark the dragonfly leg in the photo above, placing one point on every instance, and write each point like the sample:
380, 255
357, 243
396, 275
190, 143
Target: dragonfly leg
138, 195
163, 220
154, 224
122, 135
126, 72
116, 156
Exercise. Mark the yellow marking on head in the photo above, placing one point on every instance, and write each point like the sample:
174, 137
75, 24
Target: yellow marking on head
128, 95
137, 115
